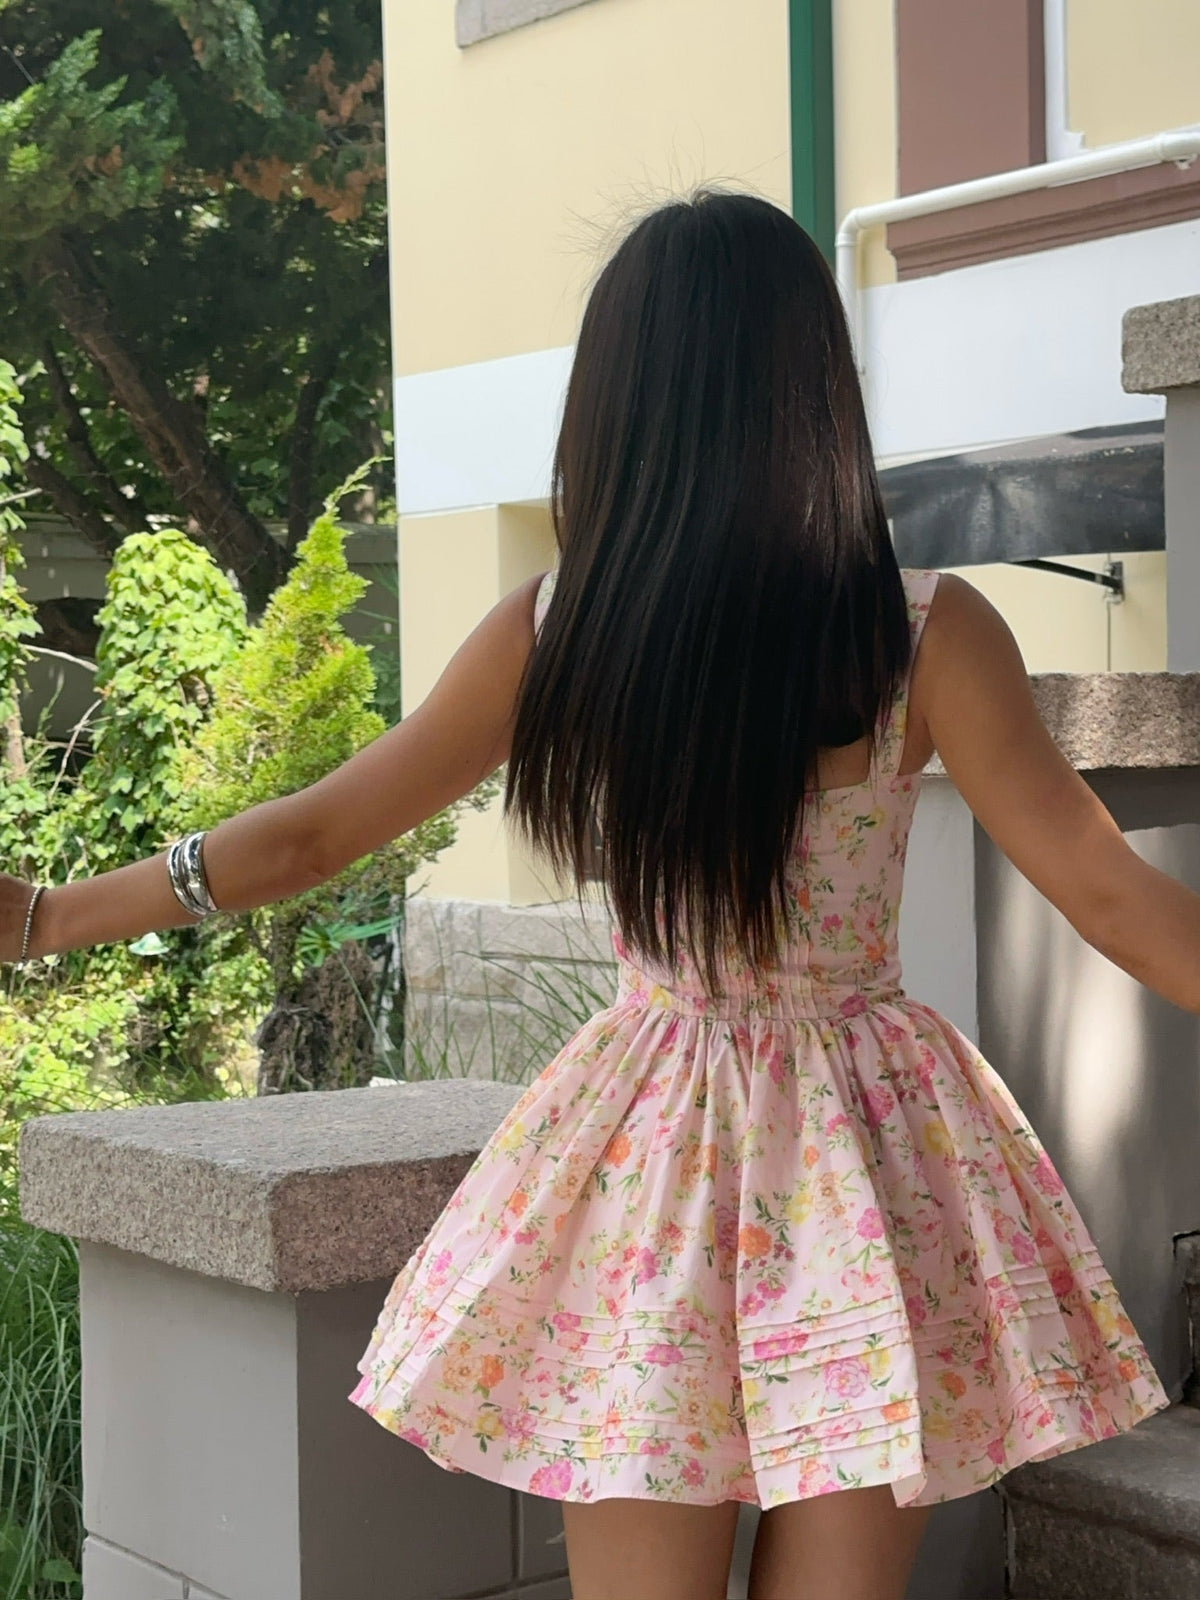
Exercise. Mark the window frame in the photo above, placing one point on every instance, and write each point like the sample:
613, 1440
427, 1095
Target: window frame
477, 20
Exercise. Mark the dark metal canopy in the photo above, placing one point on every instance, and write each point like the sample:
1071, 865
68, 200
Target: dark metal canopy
1095, 492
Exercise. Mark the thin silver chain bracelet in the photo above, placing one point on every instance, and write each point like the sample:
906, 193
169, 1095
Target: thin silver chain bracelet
37, 895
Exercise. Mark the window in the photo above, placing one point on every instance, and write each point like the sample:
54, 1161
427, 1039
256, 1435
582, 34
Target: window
475, 20
971, 100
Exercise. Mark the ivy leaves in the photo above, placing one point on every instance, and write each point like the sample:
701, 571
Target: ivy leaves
171, 621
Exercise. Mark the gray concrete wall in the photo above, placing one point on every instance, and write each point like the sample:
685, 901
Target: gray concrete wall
189, 1427
1160, 354
1181, 469
377, 1517
962, 1557
1104, 1069
937, 913
224, 1461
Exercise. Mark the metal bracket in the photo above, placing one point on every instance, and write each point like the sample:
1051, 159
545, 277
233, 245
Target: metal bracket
1112, 577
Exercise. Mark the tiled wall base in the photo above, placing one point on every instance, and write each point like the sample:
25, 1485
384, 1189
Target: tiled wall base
110, 1573
494, 991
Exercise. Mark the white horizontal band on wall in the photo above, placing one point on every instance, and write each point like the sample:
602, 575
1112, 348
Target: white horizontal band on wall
1017, 348
479, 435
956, 361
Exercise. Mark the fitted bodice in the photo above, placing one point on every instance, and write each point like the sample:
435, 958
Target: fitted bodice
844, 884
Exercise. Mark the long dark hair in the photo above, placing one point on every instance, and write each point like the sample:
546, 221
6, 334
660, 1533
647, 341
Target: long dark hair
728, 600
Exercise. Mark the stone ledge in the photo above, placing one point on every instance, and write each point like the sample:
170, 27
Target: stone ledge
1122, 719
1160, 346
1103, 721
1115, 1521
286, 1193
1147, 1480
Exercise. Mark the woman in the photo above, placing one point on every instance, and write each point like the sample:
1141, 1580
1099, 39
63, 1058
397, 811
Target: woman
766, 1229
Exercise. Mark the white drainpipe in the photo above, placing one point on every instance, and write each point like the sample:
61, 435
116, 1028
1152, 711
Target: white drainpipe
1061, 140
1182, 146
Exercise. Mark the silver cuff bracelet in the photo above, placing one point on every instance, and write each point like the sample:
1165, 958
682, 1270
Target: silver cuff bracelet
185, 864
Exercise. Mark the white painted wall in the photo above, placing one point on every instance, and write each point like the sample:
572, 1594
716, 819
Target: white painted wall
957, 361
479, 435
1016, 348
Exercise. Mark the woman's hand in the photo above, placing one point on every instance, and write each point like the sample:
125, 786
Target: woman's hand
15, 895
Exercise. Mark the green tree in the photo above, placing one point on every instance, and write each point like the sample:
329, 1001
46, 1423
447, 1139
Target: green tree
193, 266
17, 624
292, 705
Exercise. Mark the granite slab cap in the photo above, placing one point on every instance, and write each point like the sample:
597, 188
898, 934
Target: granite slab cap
1148, 1478
1122, 719
1160, 346
285, 1193
1104, 721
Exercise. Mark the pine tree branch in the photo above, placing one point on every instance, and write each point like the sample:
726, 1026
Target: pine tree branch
76, 507
303, 445
130, 512
169, 428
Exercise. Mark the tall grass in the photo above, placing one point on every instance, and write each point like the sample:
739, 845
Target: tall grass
41, 1516
41, 1481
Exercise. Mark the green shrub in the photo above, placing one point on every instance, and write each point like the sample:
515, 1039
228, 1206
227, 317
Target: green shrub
199, 716
293, 703
170, 622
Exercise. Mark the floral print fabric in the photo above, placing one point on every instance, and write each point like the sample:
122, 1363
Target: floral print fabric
793, 1238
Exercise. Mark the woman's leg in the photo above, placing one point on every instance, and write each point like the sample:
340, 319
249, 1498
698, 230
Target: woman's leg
649, 1550
852, 1545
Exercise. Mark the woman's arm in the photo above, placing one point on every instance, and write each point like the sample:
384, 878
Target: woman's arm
971, 689
458, 735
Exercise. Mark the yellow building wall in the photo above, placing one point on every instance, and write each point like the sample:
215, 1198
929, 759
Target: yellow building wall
514, 161
864, 121
1064, 625
512, 165
1133, 67
486, 552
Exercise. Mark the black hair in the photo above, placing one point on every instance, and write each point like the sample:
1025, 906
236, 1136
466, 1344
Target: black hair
728, 600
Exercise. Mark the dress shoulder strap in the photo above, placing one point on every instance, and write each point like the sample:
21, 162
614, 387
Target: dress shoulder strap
920, 586
542, 602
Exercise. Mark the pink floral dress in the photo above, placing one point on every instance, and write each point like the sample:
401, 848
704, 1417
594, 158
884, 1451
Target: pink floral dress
794, 1239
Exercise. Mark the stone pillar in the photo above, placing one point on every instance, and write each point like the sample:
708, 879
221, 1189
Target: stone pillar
1160, 349
234, 1257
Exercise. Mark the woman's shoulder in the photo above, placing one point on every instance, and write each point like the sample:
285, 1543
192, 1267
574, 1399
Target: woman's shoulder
955, 618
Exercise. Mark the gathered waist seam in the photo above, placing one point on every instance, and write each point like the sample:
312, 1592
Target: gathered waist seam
793, 1002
